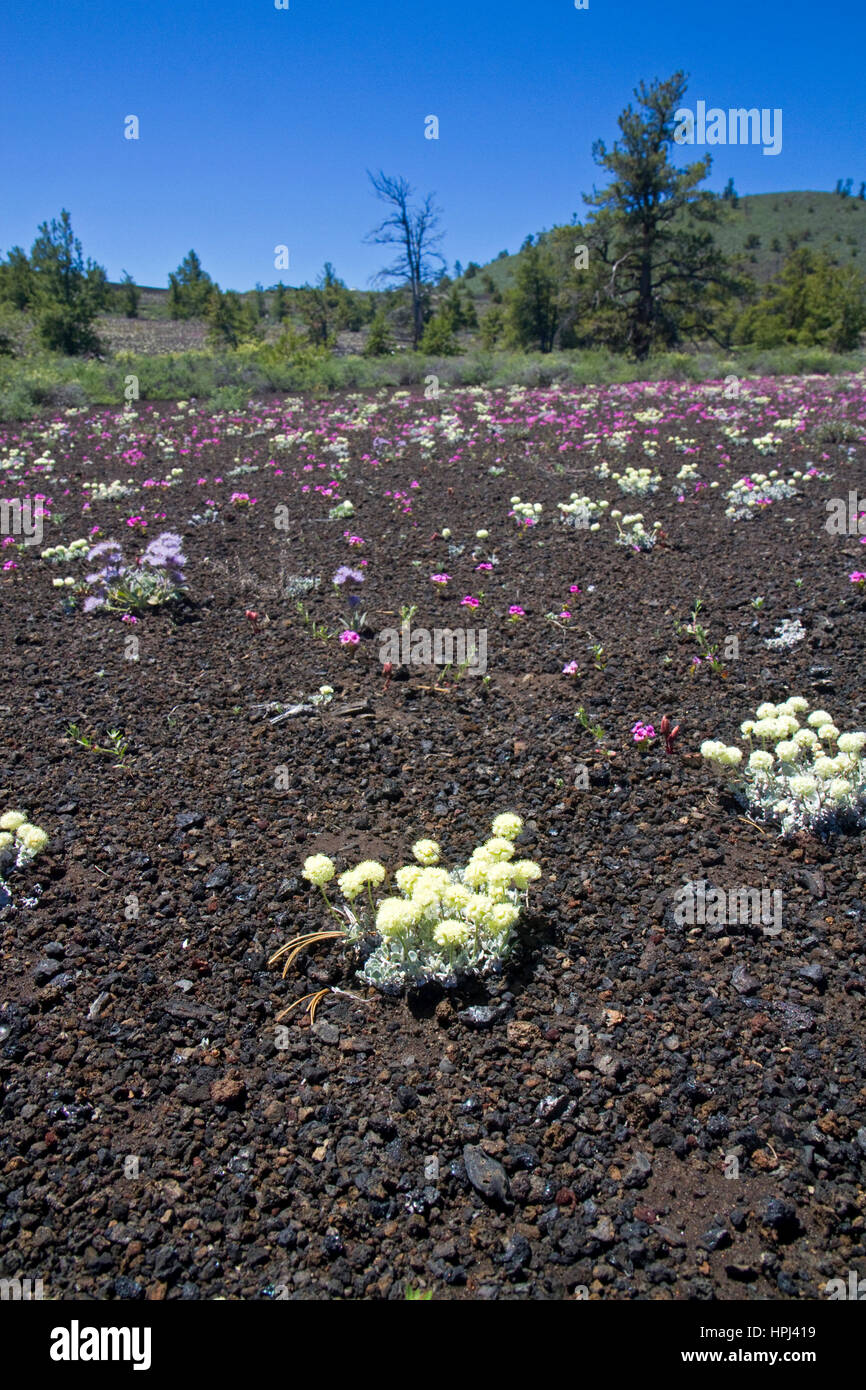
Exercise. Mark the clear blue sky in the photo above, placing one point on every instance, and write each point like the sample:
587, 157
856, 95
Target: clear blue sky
257, 125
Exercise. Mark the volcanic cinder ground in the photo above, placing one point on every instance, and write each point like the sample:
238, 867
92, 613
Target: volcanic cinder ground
635, 1107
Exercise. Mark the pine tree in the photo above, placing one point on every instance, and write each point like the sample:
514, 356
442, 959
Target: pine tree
651, 226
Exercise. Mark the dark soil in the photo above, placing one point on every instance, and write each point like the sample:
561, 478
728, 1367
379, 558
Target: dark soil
162, 1137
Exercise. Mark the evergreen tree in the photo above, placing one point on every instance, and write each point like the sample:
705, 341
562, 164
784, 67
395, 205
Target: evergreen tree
812, 302
379, 342
17, 281
189, 289
230, 320
280, 307
651, 226
532, 304
129, 296
69, 292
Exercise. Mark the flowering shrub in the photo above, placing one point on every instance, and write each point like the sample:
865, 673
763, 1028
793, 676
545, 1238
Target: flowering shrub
63, 554
637, 482
799, 783
582, 512
24, 840
120, 587
633, 533
760, 489
526, 513
341, 511
20, 842
445, 924
107, 492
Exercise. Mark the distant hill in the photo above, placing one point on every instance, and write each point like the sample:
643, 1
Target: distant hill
761, 230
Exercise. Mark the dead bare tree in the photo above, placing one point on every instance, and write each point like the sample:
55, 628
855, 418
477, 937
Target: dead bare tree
416, 231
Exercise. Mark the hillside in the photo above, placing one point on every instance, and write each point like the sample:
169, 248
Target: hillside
761, 229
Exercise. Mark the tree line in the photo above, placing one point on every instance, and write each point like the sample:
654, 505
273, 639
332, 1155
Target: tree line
642, 272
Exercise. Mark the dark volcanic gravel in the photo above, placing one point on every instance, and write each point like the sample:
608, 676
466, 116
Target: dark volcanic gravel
634, 1108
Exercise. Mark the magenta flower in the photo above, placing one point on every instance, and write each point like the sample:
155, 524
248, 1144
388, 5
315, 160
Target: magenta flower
10, 565
483, 566
570, 669
439, 578
349, 638
859, 578
642, 731
574, 588
469, 602
515, 612
128, 618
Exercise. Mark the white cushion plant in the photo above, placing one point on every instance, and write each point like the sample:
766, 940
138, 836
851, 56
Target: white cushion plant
803, 774
443, 925
20, 842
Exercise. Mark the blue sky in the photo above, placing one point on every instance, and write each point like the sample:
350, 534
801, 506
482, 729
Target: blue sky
257, 125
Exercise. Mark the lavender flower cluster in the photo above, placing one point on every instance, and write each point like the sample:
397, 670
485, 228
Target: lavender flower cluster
155, 578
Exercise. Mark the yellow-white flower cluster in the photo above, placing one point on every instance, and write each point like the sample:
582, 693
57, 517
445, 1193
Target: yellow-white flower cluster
440, 923
581, 512
23, 838
76, 550
813, 777
632, 532
109, 492
751, 493
637, 482
525, 511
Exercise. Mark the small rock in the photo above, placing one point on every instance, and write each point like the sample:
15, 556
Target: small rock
716, 1238
812, 879
813, 973
517, 1256
228, 1091
550, 1107
219, 877
44, 971
743, 982
637, 1173
481, 1015
189, 820
486, 1175
327, 1033
603, 1230
781, 1217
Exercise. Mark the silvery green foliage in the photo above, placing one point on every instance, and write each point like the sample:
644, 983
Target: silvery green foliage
788, 634
802, 773
394, 965
297, 585
341, 511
